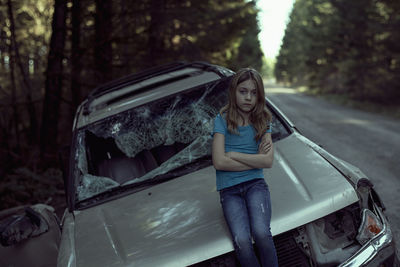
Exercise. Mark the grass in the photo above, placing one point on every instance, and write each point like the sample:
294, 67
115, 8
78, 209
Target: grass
392, 111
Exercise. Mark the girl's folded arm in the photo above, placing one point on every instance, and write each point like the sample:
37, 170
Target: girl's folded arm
219, 158
263, 159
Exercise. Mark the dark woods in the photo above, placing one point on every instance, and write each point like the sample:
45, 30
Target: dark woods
344, 47
54, 52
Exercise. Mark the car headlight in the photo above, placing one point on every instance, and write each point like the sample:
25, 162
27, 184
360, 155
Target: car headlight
372, 247
369, 228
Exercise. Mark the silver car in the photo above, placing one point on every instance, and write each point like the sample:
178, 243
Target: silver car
141, 186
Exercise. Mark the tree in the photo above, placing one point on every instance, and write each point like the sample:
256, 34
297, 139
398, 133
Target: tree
32, 136
54, 78
12, 52
156, 32
103, 42
76, 66
249, 53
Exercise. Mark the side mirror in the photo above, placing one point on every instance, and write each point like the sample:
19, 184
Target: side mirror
17, 228
29, 236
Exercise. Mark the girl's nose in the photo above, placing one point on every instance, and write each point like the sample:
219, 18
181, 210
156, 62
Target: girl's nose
248, 95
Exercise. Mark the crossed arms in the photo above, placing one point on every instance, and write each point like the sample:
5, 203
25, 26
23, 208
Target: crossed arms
236, 161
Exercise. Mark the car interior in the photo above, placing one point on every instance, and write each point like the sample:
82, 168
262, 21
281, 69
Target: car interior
107, 160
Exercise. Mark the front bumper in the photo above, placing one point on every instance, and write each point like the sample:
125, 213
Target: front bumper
379, 251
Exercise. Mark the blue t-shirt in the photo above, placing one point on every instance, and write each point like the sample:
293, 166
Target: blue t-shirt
243, 142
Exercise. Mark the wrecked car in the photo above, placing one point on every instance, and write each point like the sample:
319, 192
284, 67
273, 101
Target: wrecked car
141, 187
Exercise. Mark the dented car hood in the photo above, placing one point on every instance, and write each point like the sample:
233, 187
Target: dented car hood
180, 222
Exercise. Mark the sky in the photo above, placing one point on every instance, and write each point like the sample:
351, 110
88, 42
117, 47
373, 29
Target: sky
273, 18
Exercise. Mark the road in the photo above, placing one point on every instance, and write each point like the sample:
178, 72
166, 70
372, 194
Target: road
369, 141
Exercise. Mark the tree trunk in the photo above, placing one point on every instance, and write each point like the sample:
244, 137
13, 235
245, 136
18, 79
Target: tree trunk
155, 41
5, 150
53, 85
103, 48
3, 36
14, 99
32, 136
76, 66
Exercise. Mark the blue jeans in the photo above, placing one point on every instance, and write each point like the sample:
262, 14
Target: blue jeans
247, 211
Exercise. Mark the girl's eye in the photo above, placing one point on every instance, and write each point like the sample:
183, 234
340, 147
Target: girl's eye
254, 93
243, 92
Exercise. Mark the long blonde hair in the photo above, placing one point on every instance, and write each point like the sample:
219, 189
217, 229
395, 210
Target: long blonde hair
260, 116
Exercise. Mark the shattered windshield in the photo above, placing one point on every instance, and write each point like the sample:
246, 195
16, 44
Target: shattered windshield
147, 141
150, 141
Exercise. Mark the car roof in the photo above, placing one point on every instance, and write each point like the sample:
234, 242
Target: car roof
148, 85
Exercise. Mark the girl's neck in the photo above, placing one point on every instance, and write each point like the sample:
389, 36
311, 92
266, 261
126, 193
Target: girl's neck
244, 118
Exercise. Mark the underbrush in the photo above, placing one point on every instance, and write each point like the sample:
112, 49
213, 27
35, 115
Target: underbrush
22, 186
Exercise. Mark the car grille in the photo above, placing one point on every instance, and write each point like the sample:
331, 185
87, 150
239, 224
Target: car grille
289, 255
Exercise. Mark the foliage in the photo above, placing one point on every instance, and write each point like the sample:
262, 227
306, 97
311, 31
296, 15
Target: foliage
23, 187
343, 47
149, 33
267, 70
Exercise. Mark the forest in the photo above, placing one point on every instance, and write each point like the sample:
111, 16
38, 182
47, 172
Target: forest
343, 47
54, 52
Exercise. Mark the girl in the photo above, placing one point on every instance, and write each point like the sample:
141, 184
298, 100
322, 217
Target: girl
242, 146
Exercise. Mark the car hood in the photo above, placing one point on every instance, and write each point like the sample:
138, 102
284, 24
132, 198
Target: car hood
180, 222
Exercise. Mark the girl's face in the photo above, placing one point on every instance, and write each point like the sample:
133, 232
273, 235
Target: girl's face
246, 96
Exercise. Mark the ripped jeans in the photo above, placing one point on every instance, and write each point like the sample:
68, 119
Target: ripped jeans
247, 211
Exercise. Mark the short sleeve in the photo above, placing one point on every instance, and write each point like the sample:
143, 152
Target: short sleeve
269, 129
219, 125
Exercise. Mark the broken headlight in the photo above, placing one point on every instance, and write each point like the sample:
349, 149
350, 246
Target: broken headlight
370, 226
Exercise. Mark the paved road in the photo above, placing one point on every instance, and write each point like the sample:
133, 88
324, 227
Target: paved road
369, 141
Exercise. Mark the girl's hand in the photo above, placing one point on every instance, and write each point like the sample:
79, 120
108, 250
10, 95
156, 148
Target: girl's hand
264, 146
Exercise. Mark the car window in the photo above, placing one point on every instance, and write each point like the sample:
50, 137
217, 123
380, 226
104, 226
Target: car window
167, 137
